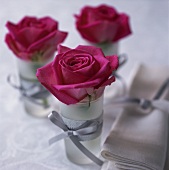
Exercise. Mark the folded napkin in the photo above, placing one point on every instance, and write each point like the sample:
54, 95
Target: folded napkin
138, 141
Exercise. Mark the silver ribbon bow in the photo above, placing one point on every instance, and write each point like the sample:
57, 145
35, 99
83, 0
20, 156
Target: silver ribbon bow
122, 60
87, 131
144, 104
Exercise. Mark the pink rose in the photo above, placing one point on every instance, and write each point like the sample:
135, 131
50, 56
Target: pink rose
77, 73
102, 24
33, 38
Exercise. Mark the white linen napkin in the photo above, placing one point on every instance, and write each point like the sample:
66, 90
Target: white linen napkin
138, 141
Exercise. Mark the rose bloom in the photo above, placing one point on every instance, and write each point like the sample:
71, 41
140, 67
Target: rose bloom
78, 73
102, 24
34, 39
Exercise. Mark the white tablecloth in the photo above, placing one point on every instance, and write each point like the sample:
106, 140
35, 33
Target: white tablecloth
23, 138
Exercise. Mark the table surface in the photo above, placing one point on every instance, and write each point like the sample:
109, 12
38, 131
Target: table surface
23, 138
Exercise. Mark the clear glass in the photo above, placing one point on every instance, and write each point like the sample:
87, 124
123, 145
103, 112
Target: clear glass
82, 111
109, 48
38, 105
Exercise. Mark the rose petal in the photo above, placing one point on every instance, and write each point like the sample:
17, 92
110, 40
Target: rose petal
57, 70
87, 84
29, 35
108, 82
11, 44
43, 75
49, 23
106, 12
124, 27
53, 39
114, 61
62, 49
62, 95
104, 63
26, 21
83, 18
100, 31
90, 66
12, 28
92, 50
73, 77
